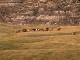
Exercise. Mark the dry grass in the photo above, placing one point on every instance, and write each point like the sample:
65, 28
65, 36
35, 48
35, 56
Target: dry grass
39, 45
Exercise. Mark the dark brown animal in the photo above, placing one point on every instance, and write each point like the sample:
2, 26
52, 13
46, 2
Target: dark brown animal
73, 33
24, 30
34, 29
58, 29
47, 29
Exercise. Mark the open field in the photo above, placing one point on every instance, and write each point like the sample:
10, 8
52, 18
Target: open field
39, 45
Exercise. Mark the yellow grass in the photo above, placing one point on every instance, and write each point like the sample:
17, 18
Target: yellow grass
39, 45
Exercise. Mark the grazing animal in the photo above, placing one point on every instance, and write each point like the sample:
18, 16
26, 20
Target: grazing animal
18, 31
73, 33
38, 29
47, 29
34, 29
24, 30
58, 29
41, 29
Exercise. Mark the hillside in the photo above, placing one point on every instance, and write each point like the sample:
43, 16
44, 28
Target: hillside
20, 12
39, 29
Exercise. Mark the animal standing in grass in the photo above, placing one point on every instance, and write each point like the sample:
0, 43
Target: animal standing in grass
24, 30
47, 29
58, 29
73, 33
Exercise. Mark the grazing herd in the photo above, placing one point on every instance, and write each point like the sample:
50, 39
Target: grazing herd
41, 29
35, 29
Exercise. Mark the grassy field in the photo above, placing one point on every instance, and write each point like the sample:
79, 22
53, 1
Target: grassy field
39, 45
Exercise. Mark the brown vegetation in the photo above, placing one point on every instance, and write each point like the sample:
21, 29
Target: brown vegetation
62, 12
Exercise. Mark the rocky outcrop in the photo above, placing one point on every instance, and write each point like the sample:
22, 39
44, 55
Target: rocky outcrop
35, 11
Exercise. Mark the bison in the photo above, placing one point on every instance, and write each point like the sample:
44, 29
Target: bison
34, 29
58, 29
24, 30
47, 29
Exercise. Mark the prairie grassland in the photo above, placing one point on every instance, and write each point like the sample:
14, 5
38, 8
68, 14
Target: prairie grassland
39, 45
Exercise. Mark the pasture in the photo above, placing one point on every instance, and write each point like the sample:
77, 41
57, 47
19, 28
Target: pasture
39, 45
